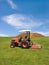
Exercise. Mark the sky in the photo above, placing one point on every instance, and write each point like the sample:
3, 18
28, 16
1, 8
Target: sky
16, 15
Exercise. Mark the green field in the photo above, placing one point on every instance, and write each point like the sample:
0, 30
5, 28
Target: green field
19, 56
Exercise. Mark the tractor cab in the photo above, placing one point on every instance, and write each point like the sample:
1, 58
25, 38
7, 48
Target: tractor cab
26, 37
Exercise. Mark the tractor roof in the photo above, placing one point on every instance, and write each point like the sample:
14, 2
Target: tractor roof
24, 30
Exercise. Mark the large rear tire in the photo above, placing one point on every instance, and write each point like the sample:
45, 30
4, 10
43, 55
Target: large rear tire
25, 44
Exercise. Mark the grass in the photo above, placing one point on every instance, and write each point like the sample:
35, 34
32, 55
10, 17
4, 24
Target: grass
19, 56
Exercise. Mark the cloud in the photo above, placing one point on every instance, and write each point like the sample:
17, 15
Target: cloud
12, 4
46, 33
21, 21
3, 35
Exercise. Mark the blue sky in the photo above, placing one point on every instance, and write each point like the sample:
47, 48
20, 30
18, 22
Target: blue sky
16, 15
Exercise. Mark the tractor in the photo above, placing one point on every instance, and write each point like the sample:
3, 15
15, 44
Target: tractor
23, 42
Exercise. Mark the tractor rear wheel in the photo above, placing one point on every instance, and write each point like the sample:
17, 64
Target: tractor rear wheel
25, 45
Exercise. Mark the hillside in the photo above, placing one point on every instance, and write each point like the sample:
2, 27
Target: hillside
31, 35
36, 35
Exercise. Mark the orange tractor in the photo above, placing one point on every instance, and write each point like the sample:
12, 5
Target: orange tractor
24, 42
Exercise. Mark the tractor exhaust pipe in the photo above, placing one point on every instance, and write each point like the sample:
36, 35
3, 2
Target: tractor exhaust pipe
28, 34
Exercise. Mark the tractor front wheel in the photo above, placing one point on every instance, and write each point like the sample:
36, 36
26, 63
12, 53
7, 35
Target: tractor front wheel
12, 45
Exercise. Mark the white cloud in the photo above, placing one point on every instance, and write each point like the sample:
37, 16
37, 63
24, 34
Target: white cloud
3, 35
12, 4
46, 33
21, 21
